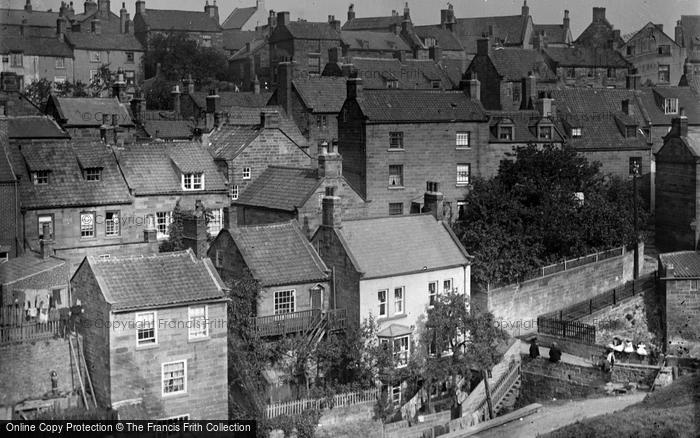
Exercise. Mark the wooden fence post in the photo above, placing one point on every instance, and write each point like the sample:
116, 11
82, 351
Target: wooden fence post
614, 298
590, 306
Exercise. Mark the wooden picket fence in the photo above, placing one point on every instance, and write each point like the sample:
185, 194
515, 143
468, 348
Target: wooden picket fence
296, 407
31, 332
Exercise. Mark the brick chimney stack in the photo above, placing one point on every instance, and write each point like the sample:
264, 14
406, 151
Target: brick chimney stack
332, 209
529, 91
354, 87
598, 14
188, 82
678, 34
433, 200
46, 243
269, 119
140, 7
90, 7
633, 79
138, 107
119, 87
525, 10
567, 21
285, 72
28, 6
175, 93
351, 12
150, 233
282, 18
212, 10
123, 19
679, 125
194, 231
330, 163
482, 47
447, 17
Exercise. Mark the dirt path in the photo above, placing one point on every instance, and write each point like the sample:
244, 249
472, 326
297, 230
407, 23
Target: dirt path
559, 414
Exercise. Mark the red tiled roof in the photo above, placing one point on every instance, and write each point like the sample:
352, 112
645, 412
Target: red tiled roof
151, 282
585, 57
322, 94
446, 40
394, 105
281, 188
514, 64
35, 46
373, 23
67, 185
686, 264
167, 19
369, 40
312, 30
28, 265
35, 127
239, 17
104, 41
237, 39
278, 254
88, 111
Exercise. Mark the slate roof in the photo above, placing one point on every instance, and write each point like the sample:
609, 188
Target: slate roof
231, 98
67, 186
236, 39
396, 245
691, 32
514, 64
35, 127
152, 282
554, 33
88, 111
369, 40
35, 46
247, 116
597, 34
373, 23
524, 124
14, 17
322, 94
243, 53
688, 99
585, 57
394, 330
239, 17
686, 264
446, 40
279, 254
394, 105
156, 168
17, 104
192, 21
281, 188
598, 112
104, 41
307, 30
165, 125
28, 265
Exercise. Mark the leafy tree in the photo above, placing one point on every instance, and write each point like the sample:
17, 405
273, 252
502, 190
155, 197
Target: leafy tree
39, 91
175, 240
180, 56
544, 205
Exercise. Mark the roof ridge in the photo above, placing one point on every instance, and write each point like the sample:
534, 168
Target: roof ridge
388, 217
171, 254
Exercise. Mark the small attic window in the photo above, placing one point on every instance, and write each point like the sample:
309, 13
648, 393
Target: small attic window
544, 132
576, 132
505, 132
670, 105
192, 181
40, 177
93, 174
392, 83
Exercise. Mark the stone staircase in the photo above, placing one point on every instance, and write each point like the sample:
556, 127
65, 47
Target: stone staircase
509, 398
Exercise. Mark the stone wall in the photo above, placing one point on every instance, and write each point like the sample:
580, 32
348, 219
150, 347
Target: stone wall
26, 370
543, 380
347, 414
517, 306
683, 318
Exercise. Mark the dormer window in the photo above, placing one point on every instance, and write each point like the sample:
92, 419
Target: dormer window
630, 131
392, 83
93, 174
544, 132
576, 132
192, 181
436, 84
671, 105
505, 132
40, 177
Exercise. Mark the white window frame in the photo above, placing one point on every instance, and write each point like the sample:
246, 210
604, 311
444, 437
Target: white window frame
247, 172
93, 174
278, 301
506, 132
39, 176
16, 59
206, 40
130, 54
545, 128
576, 132
398, 179
60, 63
671, 105
216, 223
395, 394
451, 283
432, 294
167, 218
463, 139
139, 322
163, 378
396, 140
461, 179
45, 218
94, 57
198, 330
234, 192
382, 302
192, 181
59, 79
83, 225
400, 300
114, 223
399, 353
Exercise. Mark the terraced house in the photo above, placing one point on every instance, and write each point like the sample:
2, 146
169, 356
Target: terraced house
393, 141
202, 27
170, 310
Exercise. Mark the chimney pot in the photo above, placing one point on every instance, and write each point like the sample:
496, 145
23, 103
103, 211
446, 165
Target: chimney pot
433, 200
46, 243
354, 87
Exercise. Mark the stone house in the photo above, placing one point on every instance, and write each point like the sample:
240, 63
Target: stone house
587, 66
121, 51
687, 33
160, 175
664, 103
283, 193
244, 151
656, 56
510, 77
10, 235
92, 118
553, 35
392, 269
34, 58
677, 194
306, 43
157, 333
247, 18
76, 192
392, 141
293, 280
600, 33
202, 27
679, 274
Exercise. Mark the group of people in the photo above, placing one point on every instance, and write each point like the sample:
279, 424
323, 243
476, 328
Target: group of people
554, 351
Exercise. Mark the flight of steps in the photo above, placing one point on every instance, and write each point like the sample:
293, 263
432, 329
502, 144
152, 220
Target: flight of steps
509, 399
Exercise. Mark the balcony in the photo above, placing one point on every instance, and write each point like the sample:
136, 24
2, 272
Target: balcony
298, 322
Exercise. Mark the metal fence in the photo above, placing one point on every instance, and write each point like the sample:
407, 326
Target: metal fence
574, 330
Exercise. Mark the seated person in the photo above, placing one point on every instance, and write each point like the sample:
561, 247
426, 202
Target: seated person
642, 350
629, 348
554, 353
617, 345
